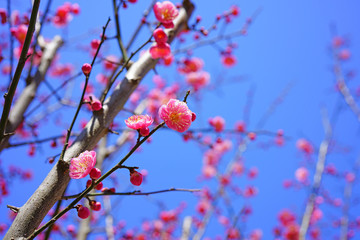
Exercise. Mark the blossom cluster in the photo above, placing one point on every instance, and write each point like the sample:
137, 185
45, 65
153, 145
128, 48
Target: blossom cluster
194, 74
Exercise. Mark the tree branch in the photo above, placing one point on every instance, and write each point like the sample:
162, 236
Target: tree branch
23, 56
17, 112
317, 178
53, 186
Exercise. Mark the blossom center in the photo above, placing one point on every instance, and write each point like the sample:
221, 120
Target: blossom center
175, 117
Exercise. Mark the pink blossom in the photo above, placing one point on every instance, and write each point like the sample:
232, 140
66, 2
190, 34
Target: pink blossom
140, 122
136, 178
228, 60
237, 168
160, 36
3, 15
331, 169
165, 13
286, 217
251, 136
337, 41
253, 172
256, 234
159, 81
191, 65
19, 32
83, 212
110, 62
350, 177
301, 174
95, 173
240, 126
305, 146
224, 220
167, 61
223, 146
250, 191
344, 54
211, 157
168, 216
198, 79
81, 166
225, 180
61, 70
218, 123
86, 69
95, 206
337, 202
63, 14
235, 10
203, 206
176, 115
233, 233
95, 103
316, 215
292, 232
160, 50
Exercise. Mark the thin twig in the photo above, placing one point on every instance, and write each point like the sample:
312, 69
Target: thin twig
36, 39
83, 94
11, 50
37, 141
52, 94
134, 193
23, 56
118, 32
141, 24
216, 39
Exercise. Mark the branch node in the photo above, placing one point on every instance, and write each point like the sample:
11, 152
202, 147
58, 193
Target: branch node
13, 208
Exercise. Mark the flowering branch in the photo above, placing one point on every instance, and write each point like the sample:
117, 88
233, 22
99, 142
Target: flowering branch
94, 183
53, 186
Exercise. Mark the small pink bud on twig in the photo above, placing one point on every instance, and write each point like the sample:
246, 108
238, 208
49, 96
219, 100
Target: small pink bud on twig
86, 68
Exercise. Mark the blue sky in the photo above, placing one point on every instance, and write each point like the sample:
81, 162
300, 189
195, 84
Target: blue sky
287, 44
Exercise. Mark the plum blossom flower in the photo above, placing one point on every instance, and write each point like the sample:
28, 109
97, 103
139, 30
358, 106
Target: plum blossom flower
305, 146
301, 174
160, 36
136, 178
176, 115
228, 60
191, 65
218, 123
3, 15
140, 122
19, 32
198, 79
64, 13
160, 50
81, 166
165, 13
94, 102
